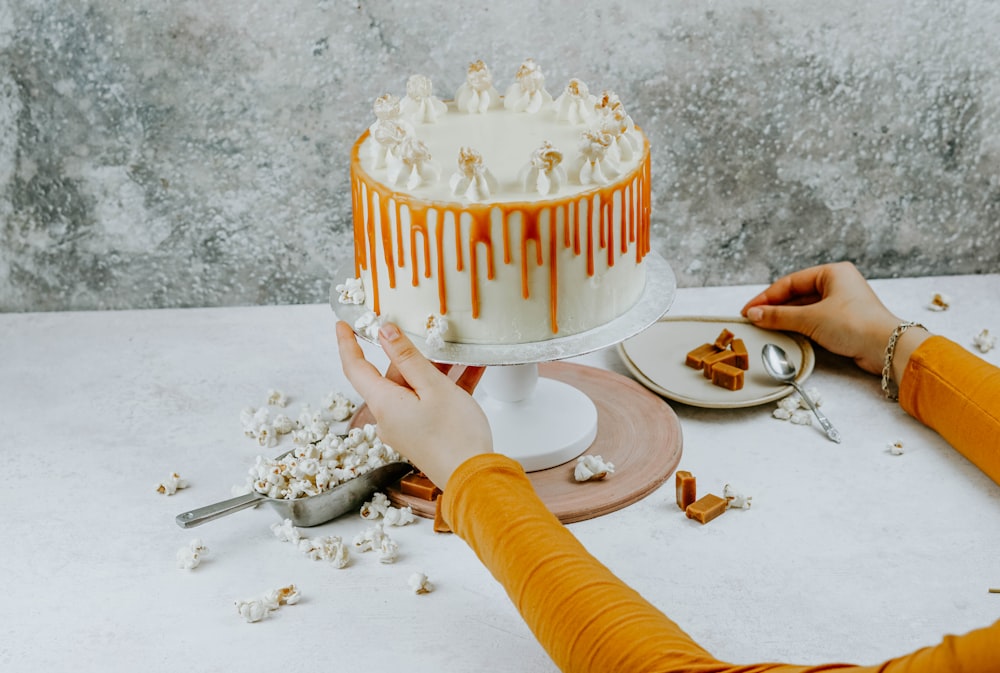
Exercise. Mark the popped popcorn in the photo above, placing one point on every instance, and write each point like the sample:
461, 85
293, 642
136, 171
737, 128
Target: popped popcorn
420, 584
375, 507
256, 609
326, 548
352, 291
437, 328
276, 398
340, 406
171, 484
368, 324
984, 341
398, 516
323, 460
895, 448
189, 557
735, 498
379, 506
592, 468
801, 418
939, 302
375, 539
286, 531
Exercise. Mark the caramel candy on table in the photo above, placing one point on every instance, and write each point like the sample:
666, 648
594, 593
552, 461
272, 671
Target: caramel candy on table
716, 359
742, 359
724, 339
706, 508
419, 486
687, 490
727, 376
696, 358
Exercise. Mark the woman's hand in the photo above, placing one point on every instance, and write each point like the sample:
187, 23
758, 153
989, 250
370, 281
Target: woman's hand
420, 412
834, 306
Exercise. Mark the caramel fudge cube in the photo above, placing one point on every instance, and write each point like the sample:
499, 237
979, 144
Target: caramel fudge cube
686, 488
742, 359
696, 357
724, 339
706, 508
419, 486
715, 359
727, 376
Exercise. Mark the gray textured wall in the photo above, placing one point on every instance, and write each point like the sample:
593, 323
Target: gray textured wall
195, 153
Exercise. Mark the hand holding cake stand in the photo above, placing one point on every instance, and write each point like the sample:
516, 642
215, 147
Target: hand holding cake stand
541, 421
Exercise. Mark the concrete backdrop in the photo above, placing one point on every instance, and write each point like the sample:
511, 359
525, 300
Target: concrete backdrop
195, 152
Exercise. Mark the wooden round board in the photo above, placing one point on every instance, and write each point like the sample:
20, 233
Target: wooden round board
637, 431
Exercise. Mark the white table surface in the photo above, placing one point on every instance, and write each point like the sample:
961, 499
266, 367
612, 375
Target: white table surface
849, 553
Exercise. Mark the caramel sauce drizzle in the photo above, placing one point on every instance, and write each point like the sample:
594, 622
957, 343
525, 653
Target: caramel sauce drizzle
367, 195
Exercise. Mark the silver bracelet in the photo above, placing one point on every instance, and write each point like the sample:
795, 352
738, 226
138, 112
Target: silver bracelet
889, 387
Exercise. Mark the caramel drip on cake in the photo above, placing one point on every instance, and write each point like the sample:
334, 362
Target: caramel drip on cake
369, 199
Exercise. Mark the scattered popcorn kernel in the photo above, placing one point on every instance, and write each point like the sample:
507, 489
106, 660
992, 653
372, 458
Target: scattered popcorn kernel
286, 532
420, 584
388, 550
171, 484
276, 398
592, 468
256, 609
939, 302
375, 507
735, 498
326, 548
252, 610
398, 516
984, 341
895, 448
189, 557
781, 414
351, 291
801, 418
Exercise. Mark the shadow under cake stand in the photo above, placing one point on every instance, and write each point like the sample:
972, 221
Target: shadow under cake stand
545, 413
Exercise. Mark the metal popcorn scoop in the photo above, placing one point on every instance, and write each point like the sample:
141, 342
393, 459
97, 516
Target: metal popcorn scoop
308, 511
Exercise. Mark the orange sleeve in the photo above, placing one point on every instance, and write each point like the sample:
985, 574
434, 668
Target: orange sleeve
957, 394
589, 620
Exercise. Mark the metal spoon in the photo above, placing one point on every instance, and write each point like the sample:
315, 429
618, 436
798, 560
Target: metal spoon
780, 369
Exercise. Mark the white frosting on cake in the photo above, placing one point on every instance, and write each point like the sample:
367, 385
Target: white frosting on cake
517, 219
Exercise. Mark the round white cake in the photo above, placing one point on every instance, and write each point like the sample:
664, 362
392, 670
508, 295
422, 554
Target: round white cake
499, 219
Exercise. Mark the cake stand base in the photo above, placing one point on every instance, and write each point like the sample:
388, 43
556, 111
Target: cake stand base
637, 431
540, 423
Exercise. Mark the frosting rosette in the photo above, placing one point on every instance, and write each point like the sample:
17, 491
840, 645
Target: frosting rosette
544, 172
410, 161
477, 94
420, 104
527, 93
598, 166
575, 104
472, 180
613, 120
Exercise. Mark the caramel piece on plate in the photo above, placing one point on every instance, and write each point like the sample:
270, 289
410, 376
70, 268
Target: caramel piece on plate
724, 339
727, 376
687, 490
720, 357
706, 508
742, 357
696, 358
419, 486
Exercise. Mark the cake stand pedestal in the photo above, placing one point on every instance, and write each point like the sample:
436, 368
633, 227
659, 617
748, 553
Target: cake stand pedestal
545, 414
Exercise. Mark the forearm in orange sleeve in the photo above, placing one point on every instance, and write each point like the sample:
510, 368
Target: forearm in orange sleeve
957, 394
589, 620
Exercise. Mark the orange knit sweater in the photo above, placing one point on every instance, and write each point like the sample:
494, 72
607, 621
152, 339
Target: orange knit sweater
614, 629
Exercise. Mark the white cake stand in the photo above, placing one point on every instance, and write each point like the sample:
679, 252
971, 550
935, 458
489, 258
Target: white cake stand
542, 422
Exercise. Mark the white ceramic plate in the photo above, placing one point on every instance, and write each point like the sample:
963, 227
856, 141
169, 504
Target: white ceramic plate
656, 358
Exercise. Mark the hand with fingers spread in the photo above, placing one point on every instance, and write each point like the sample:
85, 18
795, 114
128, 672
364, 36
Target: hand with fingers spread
420, 412
834, 306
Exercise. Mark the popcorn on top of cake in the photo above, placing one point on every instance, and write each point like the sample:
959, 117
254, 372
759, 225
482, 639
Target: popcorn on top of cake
544, 172
477, 94
527, 93
420, 103
599, 167
473, 180
410, 160
576, 104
